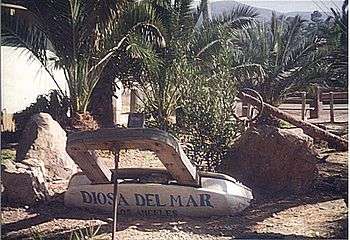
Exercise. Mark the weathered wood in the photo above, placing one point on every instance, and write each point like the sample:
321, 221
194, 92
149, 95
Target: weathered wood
336, 95
163, 144
90, 164
308, 128
296, 100
133, 100
218, 194
331, 105
303, 105
316, 104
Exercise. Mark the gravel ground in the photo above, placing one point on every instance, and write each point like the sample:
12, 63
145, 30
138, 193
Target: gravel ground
321, 213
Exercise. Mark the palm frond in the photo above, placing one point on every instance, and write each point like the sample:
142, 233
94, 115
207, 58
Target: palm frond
16, 33
240, 17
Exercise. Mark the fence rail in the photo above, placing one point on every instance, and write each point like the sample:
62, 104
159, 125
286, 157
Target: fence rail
316, 104
313, 106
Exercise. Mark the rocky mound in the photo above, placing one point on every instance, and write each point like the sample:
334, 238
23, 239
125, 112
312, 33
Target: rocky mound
41, 160
271, 160
45, 140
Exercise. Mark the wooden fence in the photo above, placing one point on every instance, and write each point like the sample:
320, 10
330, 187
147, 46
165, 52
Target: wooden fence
322, 97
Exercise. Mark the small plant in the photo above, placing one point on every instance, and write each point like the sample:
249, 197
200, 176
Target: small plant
7, 155
89, 232
36, 235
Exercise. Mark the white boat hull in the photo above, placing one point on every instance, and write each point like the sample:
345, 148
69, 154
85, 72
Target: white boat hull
214, 197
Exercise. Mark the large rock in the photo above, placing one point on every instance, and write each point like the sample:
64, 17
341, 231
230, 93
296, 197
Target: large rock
24, 182
269, 159
45, 140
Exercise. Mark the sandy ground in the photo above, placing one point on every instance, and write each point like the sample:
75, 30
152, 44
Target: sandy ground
321, 213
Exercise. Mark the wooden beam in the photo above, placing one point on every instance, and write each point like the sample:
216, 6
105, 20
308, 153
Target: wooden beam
331, 105
303, 105
308, 128
133, 100
164, 145
90, 163
316, 104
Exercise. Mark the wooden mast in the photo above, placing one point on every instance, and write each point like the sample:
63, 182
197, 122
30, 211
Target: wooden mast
308, 128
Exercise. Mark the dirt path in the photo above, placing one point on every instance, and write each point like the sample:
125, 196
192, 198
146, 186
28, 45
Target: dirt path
321, 213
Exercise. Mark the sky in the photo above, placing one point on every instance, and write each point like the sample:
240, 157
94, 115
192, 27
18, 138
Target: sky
294, 5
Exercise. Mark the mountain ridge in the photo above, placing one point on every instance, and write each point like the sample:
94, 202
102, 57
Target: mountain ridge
219, 7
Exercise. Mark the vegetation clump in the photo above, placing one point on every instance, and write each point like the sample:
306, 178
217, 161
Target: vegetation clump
182, 62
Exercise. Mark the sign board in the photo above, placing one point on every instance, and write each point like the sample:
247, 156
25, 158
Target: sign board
136, 120
216, 197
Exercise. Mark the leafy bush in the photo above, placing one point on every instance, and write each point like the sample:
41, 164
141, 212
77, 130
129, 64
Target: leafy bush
195, 78
7, 155
205, 118
208, 136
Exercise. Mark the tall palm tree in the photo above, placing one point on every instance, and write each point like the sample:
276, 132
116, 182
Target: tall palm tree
188, 47
84, 35
339, 57
280, 53
155, 75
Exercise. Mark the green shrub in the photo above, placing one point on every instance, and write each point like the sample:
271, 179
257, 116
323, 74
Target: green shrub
205, 118
7, 155
86, 233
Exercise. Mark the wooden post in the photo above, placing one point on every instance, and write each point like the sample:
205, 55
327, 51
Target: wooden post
115, 193
317, 104
89, 162
331, 105
114, 109
308, 128
303, 105
133, 100
244, 109
249, 111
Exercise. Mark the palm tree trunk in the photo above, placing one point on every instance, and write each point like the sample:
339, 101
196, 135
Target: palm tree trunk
101, 104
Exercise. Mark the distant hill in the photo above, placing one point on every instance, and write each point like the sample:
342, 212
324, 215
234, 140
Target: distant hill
220, 7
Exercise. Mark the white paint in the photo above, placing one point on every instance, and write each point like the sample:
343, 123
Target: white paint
214, 197
22, 80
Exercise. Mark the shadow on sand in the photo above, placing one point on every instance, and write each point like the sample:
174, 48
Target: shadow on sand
238, 226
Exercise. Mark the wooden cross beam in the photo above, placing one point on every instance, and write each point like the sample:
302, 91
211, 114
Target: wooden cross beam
81, 146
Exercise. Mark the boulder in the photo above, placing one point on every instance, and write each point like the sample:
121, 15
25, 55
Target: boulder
273, 160
24, 182
45, 140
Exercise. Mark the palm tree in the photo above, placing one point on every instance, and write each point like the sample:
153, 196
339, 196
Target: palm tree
154, 75
339, 56
280, 54
190, 51
84, 35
